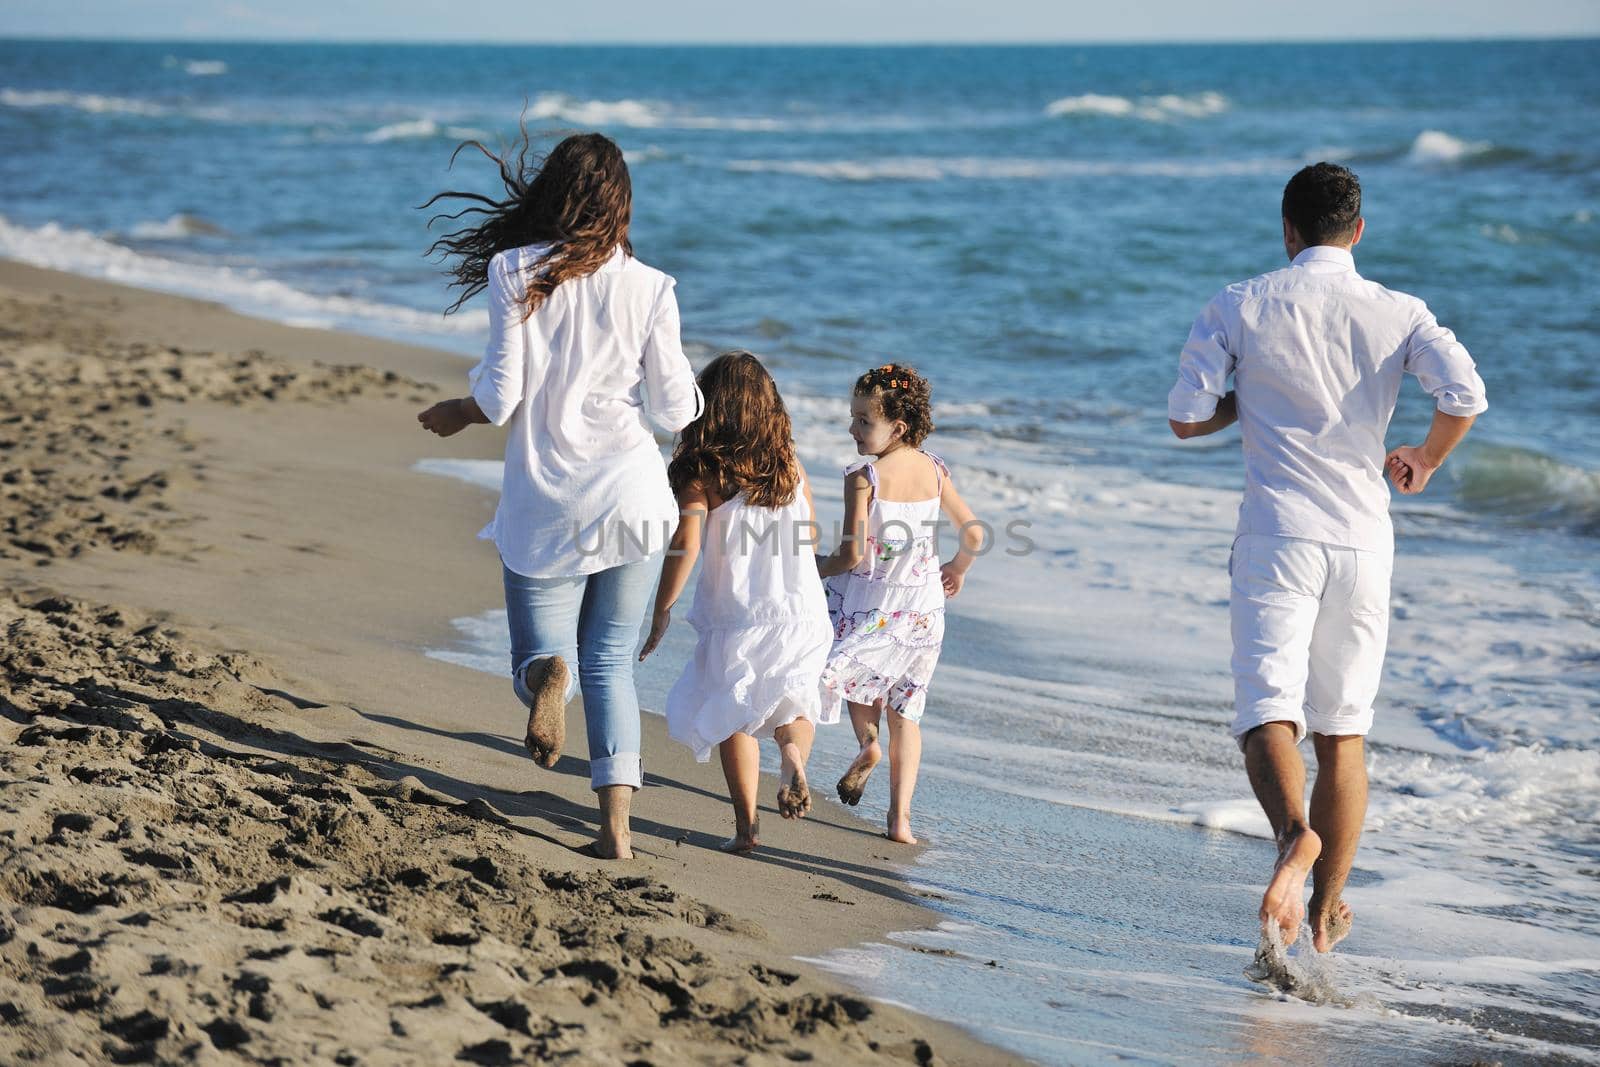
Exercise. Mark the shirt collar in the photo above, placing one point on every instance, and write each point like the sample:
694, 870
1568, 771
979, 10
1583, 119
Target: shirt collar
1330, 254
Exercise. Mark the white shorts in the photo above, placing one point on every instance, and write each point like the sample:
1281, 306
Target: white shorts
1310, 625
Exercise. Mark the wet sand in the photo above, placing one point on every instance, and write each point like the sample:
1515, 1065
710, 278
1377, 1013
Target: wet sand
240, 810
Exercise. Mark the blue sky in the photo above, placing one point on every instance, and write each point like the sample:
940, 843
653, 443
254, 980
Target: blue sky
845, 21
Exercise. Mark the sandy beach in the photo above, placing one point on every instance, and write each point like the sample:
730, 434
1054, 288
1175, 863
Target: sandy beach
245, 816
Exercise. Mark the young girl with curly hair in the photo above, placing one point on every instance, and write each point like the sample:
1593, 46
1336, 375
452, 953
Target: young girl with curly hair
886, 589
759, 609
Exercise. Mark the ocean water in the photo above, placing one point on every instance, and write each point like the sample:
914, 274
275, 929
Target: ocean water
1034, 228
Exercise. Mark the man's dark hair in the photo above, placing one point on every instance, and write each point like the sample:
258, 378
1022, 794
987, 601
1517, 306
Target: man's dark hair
1323, 203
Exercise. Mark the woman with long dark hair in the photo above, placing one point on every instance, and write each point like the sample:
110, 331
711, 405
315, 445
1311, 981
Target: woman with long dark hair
583, 357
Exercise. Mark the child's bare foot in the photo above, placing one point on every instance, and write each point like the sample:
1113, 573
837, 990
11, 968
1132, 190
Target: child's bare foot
1330, 923
854, 782
900, 830
546, 679
794, 795
745, 838
1282, 904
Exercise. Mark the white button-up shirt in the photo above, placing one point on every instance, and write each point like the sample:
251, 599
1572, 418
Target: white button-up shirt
1317, 354
581, 381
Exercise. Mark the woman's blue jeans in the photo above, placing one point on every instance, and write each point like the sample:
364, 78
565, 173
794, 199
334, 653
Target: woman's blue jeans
592, 621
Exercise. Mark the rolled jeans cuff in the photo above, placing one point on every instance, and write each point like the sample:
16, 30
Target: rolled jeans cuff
625, 768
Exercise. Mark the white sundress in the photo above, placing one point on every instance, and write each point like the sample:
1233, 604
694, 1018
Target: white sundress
888, 612
762, 621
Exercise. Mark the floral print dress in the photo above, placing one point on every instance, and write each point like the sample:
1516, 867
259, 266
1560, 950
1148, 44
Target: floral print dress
888, 612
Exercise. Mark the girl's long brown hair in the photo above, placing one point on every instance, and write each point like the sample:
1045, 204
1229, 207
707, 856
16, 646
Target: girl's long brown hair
743, 441
578, 200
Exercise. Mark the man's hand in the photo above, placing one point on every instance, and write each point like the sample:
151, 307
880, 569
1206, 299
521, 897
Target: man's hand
659, 621
1408, 469
951, 579
1410, 466
445, 418
1226, 415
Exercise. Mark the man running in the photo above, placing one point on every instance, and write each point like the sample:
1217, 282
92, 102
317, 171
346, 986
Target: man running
1317, 354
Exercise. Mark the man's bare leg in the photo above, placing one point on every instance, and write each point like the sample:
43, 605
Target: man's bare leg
1278, 776
1338, 808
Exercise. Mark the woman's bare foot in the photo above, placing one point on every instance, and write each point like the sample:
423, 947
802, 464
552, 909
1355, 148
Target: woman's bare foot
1283, 904
613, 840
854, 782
794, 795
745, 838
546, 679
1330, 924
609, 847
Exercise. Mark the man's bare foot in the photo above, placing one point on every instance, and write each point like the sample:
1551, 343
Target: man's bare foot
546, 679
744, 839
794, 795
900, 830
1330, 924
1283, 904
1271, 964
854, 782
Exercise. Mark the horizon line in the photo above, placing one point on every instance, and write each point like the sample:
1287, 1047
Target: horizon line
1531, 38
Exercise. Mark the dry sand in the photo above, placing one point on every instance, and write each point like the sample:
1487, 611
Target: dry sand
243, 817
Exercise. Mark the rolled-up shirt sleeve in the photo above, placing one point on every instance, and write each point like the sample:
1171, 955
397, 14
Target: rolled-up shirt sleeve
672, 399
497, 382
1203, 366
1444, 367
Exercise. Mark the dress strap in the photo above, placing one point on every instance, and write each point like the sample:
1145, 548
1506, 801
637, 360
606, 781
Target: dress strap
872, 472
940, 471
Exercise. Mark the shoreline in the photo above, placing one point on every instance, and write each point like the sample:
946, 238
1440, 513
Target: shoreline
335, 449
278, 519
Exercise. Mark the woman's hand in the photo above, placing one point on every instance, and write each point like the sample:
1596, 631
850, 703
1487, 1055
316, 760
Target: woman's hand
445, 418
659, 621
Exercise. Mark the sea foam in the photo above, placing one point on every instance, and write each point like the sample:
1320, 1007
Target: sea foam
199, 68
94, 103
174, 228
974, 168
483, 473
242, 288
421, 129
640, 114
1163, 108
1435, 147
1528, 487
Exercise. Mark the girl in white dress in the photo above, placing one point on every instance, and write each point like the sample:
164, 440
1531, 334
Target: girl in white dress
886, 589
759, 609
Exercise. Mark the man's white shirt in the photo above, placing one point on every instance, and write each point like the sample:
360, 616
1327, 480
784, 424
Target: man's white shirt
1317, 354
